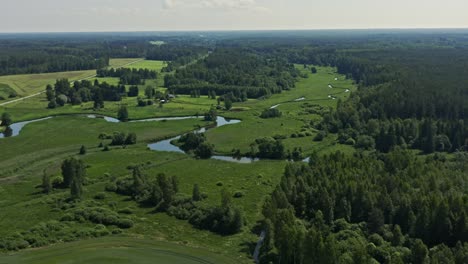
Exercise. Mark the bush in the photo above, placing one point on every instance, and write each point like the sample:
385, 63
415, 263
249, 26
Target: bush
238, 194
100, 196
125, 223
271, 113
111, 187
67, 217
320, 136
127, 211
219, 183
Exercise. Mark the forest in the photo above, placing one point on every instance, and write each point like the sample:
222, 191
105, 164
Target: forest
347, 148
239, 71
388, 207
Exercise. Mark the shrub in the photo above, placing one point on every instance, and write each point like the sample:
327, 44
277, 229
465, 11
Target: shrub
111, 187
125, 211
238, 194
271, 113
219, 183
125, 223
320, 136
100, 196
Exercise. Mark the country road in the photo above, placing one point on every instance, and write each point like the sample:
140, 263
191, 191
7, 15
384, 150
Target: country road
89, 77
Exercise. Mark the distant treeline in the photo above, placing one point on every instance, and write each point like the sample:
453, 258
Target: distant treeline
42, 55
234, 70
128, 76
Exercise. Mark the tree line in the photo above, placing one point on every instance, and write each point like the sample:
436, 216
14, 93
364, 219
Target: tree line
128, 76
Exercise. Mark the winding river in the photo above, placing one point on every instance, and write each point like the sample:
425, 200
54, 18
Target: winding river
163, 145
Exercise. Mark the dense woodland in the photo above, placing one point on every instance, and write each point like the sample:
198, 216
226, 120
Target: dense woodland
29, 57
241, 72
422, 104
20, 54
352, 209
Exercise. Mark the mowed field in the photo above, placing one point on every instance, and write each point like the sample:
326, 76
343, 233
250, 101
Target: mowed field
117, 250
28, 84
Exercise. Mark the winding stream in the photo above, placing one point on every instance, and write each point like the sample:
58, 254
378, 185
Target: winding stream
166, 145
163, 145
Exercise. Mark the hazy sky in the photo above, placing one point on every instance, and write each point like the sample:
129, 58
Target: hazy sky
159, 15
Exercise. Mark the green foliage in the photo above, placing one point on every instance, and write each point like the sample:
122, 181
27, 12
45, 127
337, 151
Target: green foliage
357, 200
227, 104
204, 150
133, 91
82, 150
6, 119
128, 76
196, 194
100, 215
271, 113
234, 70
211, 115
46, 183
122, 114
120, 138
269, 148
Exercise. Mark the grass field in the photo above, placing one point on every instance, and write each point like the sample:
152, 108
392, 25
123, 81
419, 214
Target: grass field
33, 83
148, 64
119, 62
27, 84
294, 120
117, 250
45, 144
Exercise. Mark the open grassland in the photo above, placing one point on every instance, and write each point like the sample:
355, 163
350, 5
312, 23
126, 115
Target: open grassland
44, 145
148, 64
118, 249
120, 62
295, 117
28, 84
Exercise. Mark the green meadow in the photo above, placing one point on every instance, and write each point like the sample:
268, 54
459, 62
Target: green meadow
118, 250
44, 145
28, 84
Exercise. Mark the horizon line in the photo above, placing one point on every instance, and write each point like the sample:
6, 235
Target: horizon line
235, 30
